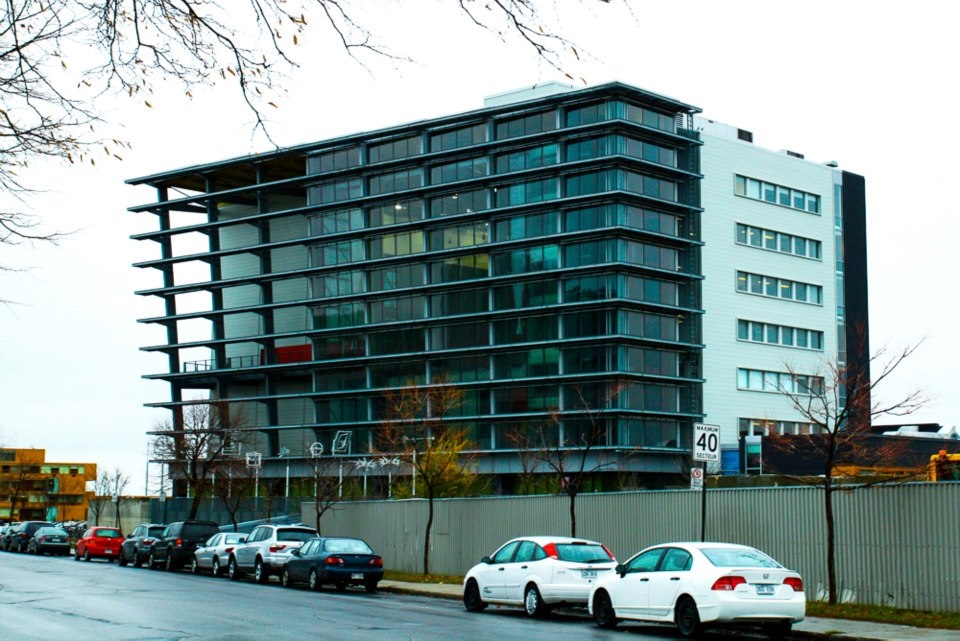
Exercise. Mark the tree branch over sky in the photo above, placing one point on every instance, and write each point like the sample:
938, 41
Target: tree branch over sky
58, 58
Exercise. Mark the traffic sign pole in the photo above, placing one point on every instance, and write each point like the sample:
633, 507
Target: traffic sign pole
706, 449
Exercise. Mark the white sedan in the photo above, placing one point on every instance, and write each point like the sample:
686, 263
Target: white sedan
213, 554
537, 572
693, 584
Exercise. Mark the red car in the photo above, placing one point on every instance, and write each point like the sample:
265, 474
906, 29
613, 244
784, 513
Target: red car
99, 542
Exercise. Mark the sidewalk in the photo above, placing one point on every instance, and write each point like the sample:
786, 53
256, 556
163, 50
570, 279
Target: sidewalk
810, 628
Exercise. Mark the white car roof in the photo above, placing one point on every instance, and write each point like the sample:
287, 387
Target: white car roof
544, 540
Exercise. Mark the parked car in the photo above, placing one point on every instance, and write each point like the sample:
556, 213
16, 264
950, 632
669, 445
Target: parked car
135, 549
267, 550
99, 542
5, 533
213, 554
697, 584
19, 536
337, 561
537, 573
49, 540
179, 540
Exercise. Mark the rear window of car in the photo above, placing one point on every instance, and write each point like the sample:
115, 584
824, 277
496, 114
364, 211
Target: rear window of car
295, 535
108, 533
199, 531
156, 531
739, 558
347, 546
582, 553
52, 531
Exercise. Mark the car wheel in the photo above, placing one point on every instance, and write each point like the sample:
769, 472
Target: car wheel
603, 612
216, 566
86, 555
314, 580
232, 570
76, 555
687, 618
370, 587
194, 568
260, 574
152, 562
123, 559
285, 579
472, 600
137, 559
168, 564
533, 604
777, 630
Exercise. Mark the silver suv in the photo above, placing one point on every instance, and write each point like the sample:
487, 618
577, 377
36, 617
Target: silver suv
267, 550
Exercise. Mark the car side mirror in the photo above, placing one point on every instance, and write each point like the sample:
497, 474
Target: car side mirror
243, 539
621, 570
486, 560
295, 552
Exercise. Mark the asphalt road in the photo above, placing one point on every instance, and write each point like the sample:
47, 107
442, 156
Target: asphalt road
44, 598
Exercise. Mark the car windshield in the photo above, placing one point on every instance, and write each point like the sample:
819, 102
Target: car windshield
109, 533
347, 546
52, 531
156, 531
582, 553
199, 531
295, 535
739, 558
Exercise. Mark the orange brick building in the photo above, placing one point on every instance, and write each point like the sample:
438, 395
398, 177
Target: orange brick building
33, 489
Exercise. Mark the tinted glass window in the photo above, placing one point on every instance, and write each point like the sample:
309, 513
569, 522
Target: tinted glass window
109, 533
505, 553
646, 562
582, 553
198, 530
347, 546
739, 557
295, 535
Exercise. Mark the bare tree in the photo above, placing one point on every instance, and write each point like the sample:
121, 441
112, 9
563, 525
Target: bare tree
838, 401
115, 483
416, 427
566, 443
48, 109
196, 443
101, 496
233, 484
329, 474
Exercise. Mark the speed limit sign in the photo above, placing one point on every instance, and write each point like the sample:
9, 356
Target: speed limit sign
706, 443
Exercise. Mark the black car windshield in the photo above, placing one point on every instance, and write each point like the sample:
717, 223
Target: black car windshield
347, 546
295, 535
739, 558
582, 553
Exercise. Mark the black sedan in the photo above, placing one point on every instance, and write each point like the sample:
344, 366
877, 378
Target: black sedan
49, 540
336, 561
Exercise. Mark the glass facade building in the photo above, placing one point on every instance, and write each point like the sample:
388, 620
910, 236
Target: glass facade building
542, 254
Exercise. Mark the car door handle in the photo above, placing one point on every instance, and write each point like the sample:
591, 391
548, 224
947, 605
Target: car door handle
674, 578
644, 580
523, 567
499, 569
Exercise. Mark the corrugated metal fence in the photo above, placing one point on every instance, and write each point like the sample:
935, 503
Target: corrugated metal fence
897, 545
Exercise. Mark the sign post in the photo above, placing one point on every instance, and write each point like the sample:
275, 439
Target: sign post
706, 449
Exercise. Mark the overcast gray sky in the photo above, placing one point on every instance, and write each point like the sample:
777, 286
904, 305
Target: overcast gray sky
862, 83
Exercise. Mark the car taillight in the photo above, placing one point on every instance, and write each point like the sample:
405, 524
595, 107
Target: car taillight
277, 548
43, 538
377, 562
794, 582
149, 541
333, 560
551, 550
609, 553
179, 541
227, 550
728, 583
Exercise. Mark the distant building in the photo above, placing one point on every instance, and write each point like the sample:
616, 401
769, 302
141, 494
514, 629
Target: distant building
554, 250
32, 488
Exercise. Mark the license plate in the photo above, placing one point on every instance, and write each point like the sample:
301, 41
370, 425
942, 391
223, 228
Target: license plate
356, 575
588, 574
108, 551
765, 589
